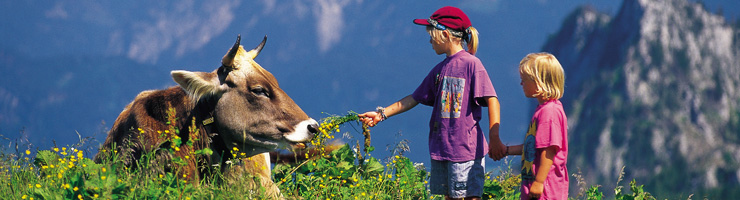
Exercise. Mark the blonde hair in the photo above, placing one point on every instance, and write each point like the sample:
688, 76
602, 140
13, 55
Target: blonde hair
546, 72
472, 33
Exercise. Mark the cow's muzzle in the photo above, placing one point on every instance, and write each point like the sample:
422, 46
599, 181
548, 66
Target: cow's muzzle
303, 131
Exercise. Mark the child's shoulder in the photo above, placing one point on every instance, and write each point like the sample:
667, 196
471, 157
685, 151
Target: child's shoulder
466, 59
464, 55
552, 108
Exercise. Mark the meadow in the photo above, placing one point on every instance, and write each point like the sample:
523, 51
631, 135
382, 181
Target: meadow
335, 171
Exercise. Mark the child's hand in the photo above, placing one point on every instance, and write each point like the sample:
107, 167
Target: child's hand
536, 190
496, 149
370, 118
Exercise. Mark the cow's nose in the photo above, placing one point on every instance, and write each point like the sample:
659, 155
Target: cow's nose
313, 128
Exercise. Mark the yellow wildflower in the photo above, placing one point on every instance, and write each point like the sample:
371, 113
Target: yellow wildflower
28, 152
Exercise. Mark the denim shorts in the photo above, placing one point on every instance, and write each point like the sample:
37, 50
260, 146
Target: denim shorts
458, 179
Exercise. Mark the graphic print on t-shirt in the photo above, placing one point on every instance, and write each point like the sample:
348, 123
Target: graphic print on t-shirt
451, 98
529, 152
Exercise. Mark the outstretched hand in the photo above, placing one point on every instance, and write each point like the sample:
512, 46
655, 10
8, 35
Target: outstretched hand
370, 118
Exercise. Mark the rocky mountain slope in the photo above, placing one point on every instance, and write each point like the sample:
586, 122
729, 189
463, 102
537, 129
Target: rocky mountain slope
655, 88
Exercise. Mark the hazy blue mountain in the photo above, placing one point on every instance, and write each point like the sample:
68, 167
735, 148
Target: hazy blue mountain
656, 89
58, 98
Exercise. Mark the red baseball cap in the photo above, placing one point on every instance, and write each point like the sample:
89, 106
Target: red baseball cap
449, 17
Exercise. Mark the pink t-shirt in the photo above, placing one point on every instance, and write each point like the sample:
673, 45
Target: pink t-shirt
549, 127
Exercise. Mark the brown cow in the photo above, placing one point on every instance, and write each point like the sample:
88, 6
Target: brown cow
237, 110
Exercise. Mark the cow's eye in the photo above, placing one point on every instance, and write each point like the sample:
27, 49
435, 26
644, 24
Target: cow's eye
260, 91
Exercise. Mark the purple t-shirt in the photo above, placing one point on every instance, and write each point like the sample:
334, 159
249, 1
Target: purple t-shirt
455, 88
549, 127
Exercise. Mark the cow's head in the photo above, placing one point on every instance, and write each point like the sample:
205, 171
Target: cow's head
251, 112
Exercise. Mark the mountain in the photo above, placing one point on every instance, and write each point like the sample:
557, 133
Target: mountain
66, 99
656, 89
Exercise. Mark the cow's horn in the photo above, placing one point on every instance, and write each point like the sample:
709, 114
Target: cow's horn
256, 51
229, 57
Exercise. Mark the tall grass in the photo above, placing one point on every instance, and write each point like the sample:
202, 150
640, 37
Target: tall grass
347, 171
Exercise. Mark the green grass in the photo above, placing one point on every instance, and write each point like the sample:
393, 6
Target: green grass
348, 172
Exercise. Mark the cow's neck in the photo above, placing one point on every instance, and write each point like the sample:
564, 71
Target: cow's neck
203, 112
204, 117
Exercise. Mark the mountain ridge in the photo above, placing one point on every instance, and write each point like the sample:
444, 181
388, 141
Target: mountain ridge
654, 89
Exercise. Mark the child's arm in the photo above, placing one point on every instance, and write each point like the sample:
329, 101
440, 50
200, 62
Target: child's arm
546, 158
514, 150
373, 117
496, 149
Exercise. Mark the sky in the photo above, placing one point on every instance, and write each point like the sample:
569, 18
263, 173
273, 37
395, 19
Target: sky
330, 56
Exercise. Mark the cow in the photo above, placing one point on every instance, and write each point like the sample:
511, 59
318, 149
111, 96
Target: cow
228, 119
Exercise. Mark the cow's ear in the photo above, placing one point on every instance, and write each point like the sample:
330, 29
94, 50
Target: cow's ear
198, 84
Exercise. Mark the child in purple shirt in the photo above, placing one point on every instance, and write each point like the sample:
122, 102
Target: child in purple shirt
457, 88
545, 149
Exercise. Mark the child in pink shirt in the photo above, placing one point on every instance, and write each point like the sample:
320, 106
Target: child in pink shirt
545, 149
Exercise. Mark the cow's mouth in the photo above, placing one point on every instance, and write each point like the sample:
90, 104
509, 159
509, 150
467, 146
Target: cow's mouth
301, 133
271, 143
263, 142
